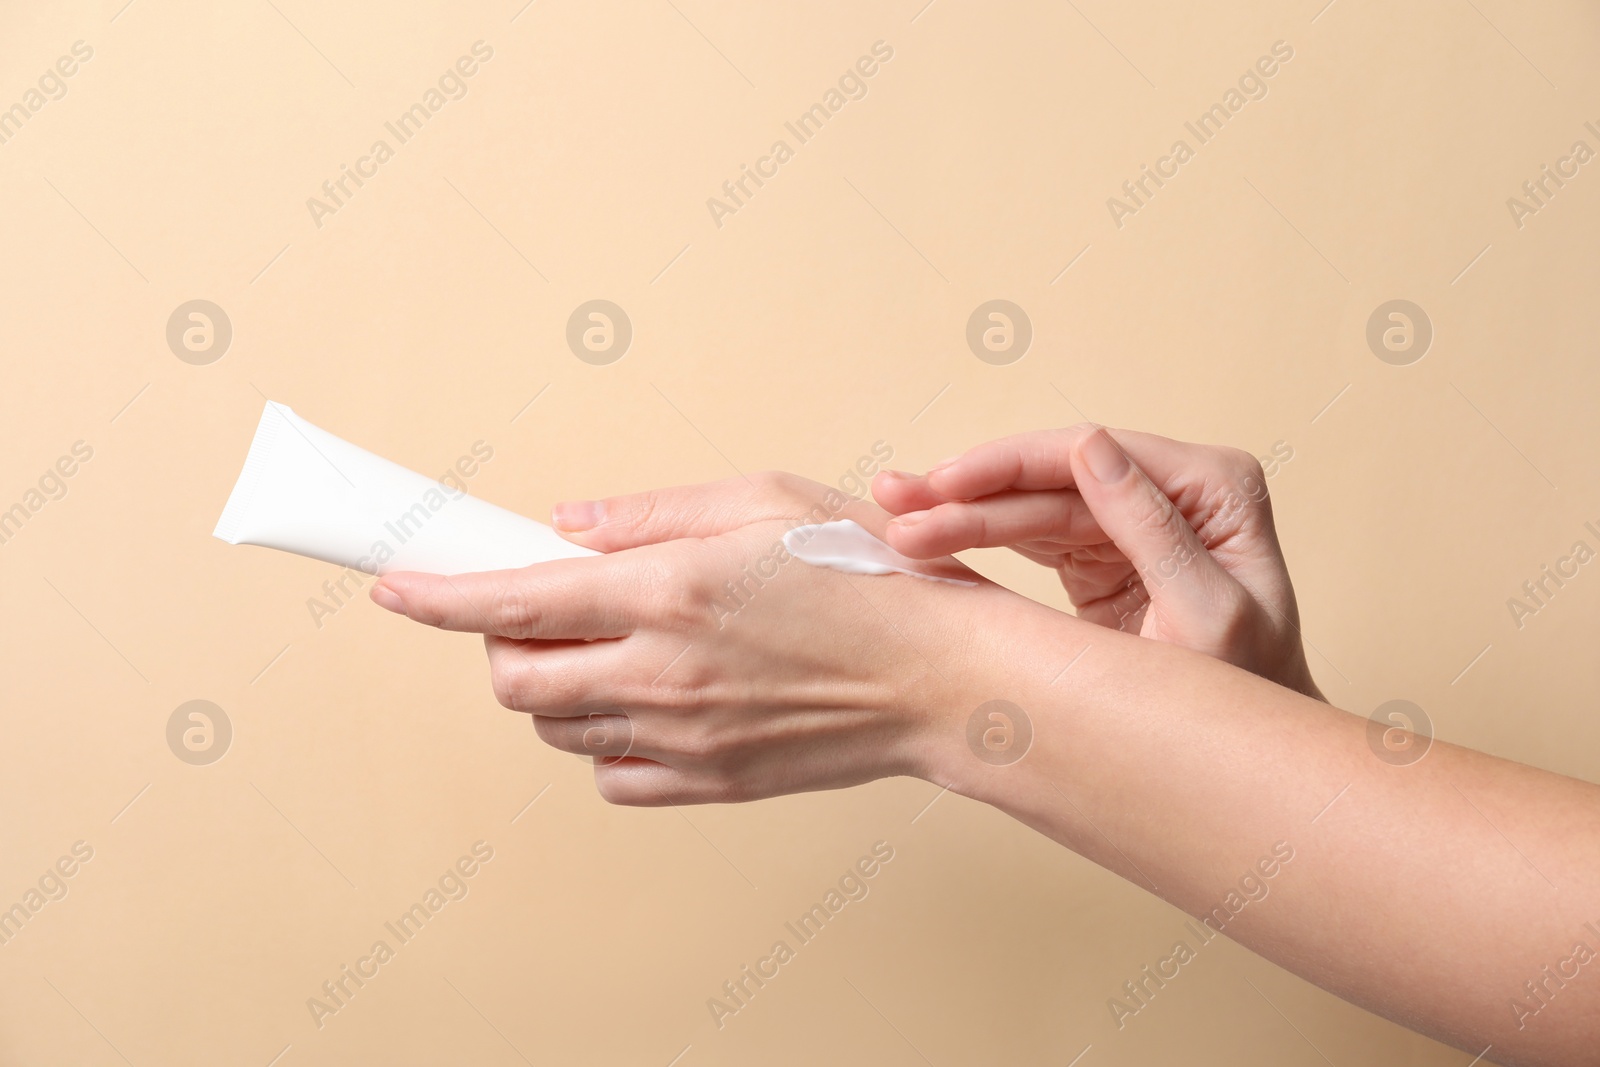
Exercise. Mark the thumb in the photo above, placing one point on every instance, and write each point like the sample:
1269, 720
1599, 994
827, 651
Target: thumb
1149, 529
648, 518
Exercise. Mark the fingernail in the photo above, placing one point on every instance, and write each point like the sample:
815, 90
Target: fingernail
942, 464
1106, 460
575, 515
910, 518
899, 476
385, 597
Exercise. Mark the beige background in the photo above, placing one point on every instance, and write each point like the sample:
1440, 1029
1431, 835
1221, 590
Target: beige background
827, 314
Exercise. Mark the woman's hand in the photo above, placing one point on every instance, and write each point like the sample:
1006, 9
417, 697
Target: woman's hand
744, 676
1168, 540
744, 673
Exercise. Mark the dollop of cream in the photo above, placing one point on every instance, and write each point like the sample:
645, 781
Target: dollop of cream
845, 545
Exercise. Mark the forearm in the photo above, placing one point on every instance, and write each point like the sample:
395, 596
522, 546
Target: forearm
1429, 893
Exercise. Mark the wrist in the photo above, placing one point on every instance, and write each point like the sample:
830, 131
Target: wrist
1003, 689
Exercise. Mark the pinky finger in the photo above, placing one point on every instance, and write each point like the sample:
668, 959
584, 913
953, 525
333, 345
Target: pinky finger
643, 783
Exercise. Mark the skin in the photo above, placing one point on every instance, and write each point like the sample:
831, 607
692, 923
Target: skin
1428, 890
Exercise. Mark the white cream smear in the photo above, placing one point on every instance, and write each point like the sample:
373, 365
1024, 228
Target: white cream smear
845, 545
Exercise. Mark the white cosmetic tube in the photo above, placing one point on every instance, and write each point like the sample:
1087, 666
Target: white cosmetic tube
306, 491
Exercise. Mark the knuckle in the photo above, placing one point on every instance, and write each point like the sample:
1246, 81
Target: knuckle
1244, 472
678, 598
706, 746
781, 480
972, 520
671, 677
1240, 491
507, 688
550, 730
639, 512
692, 592
771, 483
516, 612
682, 691
1155, 513
520, 686
697, 746
788, 490
683, 589
619, 790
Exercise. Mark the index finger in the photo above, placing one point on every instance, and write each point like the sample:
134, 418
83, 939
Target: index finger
1039, 459
572, 599
1042, 459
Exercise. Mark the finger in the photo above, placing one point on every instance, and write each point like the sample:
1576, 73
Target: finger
1147, 526
548, 677
1089, 579
647, 784
563, 599
602, 735
1009, 518
686, 510
898, 492
1041, 459
574, 679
